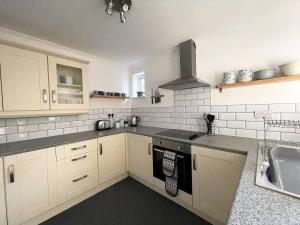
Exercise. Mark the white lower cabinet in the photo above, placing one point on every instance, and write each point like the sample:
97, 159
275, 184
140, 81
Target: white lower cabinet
140, 161
112, 157
77, 169
3, 220
216, 175
29, 183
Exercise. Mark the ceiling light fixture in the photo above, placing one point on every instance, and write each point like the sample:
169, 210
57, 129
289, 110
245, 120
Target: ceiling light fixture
121, 6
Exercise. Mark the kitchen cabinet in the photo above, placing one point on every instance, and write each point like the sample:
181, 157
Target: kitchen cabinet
29, 184
3, 220
140, 156
216, 175
24, 78
112, 157
77, 169
68, 84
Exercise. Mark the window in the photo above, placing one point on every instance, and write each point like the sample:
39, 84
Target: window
138, 84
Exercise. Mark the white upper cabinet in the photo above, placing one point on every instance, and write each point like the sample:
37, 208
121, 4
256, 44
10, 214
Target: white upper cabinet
24, 78
68, 84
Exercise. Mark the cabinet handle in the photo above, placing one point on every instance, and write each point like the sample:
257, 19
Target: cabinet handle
45, 96
80, 178
100, 149
78, 148
194, 162
53, 96
11, 173
149, 148
79, 158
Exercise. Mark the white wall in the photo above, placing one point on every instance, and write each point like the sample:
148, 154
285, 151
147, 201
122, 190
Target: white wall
267, 39
103, 74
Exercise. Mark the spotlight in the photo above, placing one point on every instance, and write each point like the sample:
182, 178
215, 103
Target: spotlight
109, 7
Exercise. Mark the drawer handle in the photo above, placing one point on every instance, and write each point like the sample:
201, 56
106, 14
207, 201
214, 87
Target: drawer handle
78, 148
100, 149
80, 178
11, 173
79, 158
194, 162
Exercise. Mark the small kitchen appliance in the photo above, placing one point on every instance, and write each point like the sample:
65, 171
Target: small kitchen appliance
133, 120
209, 119
103, 125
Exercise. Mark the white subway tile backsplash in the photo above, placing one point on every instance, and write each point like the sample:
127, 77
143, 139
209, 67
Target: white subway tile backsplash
226, 131
76, 123
236, 124
204, 108
179, 120
54, 119
28, 128
282, 107
298, 108
14, 122
204, 95
253, 108
183, 103
47, 126
197, 102
190, 96
37, 134
245, 116
191, 109
70, 130
196, 90
269, 135
290, 116
179, 97
290, 137
3, 139
218, 108
220, 123
246, 133
10, 130
55, 132
37, 120
236, 108
226, 116
255, 125
62, 125
17, 137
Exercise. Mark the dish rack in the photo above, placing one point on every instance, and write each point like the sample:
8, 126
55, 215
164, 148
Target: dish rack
281, 124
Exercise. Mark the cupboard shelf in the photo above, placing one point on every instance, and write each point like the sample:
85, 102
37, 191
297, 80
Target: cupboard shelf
112, 97
259, 82
69, 85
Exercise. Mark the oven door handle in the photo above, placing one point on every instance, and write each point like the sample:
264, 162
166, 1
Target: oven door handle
195, 167
158, 150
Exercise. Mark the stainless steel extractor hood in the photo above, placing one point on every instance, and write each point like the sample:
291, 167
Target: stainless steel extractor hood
188, 78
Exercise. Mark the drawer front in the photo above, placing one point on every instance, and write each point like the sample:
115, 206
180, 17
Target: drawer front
77, 185
72, 166
80, 148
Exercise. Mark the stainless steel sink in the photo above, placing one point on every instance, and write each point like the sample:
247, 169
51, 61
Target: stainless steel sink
278, 168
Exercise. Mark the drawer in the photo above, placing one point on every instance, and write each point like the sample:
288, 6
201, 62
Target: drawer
77, 185
77, 148
72, 166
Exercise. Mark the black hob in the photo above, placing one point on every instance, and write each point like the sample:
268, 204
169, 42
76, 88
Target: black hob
182, 134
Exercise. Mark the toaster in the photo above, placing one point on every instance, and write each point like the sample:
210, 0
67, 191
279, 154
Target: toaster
103, 125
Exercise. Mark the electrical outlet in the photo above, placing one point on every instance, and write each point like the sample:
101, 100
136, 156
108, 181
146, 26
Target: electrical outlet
263, 114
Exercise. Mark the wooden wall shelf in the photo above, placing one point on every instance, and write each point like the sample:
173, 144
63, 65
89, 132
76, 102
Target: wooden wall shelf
259, 82
111, 97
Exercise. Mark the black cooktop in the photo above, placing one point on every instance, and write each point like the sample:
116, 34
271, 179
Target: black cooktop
182, 134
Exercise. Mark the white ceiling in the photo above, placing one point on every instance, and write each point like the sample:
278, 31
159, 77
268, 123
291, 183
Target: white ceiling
153, 26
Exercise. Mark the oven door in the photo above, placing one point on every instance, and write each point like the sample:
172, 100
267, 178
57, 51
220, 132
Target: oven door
184, 168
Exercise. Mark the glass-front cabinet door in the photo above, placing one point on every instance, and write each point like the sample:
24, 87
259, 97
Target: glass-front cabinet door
68, 84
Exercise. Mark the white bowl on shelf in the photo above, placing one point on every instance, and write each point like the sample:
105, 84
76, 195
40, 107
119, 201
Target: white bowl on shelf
290, 69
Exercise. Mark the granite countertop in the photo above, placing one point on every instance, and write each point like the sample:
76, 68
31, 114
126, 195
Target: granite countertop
252, 204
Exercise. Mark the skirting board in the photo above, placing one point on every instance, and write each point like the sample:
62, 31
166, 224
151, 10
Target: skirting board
47, 215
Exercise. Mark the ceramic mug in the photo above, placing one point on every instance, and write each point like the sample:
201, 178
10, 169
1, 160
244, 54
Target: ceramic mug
229, 77
245, 75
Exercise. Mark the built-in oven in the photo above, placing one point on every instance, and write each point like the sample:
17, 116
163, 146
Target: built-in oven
184, 165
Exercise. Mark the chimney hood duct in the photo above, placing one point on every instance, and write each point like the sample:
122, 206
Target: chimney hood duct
188, 78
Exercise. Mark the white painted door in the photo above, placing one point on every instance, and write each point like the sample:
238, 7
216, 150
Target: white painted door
3, 220
24, 77
140, 156
68, 84
29, 185
216, 175
111, 157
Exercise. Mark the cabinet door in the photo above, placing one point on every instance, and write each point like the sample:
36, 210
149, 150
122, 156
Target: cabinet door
28, 191
68, 84
140, 156
2, 197
112, 162
216, 175
24, 78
